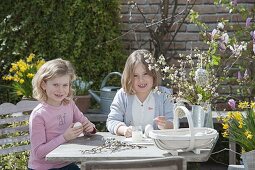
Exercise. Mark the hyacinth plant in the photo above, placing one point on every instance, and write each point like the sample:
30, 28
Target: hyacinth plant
239, 126
81, 86
21, 75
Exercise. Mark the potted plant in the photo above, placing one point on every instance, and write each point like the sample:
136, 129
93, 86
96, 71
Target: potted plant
82, 96
239, 127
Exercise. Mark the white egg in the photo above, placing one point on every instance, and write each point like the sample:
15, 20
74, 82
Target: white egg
161, 127
147, 130
77, 124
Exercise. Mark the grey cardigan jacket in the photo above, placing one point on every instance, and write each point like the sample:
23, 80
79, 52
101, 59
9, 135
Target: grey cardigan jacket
121, 108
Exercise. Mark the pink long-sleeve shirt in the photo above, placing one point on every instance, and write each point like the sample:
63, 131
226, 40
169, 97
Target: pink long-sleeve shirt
47, 125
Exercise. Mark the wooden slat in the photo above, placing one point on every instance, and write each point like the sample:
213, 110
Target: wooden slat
14, 119
14, 149
14, 139
14, 129
22, 106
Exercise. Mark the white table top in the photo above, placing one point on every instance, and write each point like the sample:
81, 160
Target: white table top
72, 151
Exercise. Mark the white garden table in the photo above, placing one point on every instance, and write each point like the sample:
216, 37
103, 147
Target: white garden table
72, 151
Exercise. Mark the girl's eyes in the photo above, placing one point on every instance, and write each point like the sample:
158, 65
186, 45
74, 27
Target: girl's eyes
57, 85
144, 74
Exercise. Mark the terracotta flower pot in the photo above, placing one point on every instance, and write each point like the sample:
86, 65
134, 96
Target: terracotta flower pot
82, 102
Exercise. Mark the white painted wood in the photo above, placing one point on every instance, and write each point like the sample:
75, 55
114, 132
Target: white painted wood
15, 114
236, 167
72, 151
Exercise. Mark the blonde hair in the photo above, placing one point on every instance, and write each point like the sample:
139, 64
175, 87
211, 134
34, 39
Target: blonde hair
133, 60
49, 70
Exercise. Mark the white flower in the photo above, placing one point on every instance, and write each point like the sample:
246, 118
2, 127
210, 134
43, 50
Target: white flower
200, 97
237, 49
166, 69
220, 25
225, 38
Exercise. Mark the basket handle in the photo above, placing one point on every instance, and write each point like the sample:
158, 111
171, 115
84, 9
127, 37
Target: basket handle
106, 78
178, 111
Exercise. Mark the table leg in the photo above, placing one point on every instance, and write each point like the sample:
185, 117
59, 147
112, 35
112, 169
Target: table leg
232, 155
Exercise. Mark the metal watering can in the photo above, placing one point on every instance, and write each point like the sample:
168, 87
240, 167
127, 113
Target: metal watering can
201, 116
107, 94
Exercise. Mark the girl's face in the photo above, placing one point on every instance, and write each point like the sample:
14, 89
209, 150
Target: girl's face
57, 89
143, 82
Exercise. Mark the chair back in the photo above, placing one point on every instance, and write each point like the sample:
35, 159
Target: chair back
167, 163
14, 128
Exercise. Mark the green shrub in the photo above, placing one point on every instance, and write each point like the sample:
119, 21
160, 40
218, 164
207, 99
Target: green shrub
80, 31
14, 161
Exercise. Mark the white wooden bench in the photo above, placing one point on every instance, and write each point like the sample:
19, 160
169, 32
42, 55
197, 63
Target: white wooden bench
14, 126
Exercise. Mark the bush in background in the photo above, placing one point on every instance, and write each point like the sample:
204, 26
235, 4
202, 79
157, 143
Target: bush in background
80, 31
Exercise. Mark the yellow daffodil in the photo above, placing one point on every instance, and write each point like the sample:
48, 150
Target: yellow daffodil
14, 67
39, 64
253, 105
30, 75
225, 125
30, 57
22, 73
243, 105
237, 116
240, 126
21, 81
248, 134
225, 134
19, 93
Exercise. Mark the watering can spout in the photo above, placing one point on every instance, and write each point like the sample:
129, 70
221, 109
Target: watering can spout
94, 95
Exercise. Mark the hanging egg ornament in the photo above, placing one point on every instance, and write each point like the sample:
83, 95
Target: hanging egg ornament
201, 77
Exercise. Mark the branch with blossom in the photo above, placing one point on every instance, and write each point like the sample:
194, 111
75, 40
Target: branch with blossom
199, 74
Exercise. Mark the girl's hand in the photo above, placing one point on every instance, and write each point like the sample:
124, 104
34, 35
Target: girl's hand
72, 132
128, 131
88, 127
162, 122
125, 131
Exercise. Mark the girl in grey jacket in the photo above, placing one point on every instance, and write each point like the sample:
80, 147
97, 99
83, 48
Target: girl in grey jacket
137, 103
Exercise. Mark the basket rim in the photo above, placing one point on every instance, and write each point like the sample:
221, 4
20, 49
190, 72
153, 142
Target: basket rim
162, 134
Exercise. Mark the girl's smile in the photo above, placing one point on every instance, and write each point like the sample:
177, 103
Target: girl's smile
142, 83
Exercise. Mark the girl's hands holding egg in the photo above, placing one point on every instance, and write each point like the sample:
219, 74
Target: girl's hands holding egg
88, 127
73, 131
77, 124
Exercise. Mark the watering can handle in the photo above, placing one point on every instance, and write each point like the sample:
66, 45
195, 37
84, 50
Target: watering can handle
106, 78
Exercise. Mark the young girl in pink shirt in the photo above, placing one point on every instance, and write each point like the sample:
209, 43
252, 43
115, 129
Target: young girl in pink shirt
52, 122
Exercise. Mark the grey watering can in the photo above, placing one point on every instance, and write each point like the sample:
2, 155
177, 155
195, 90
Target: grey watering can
107, 94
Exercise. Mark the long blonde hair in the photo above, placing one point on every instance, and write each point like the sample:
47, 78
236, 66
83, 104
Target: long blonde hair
49, 70
133, 60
